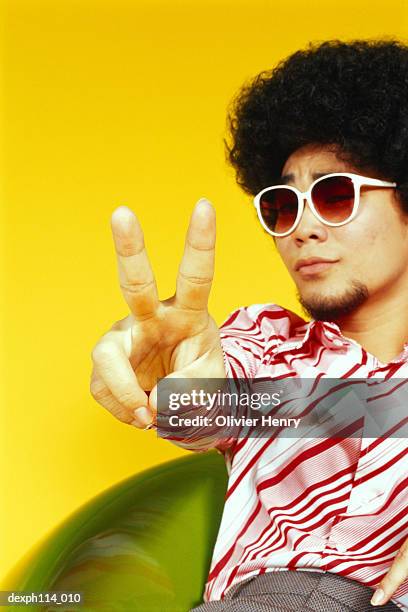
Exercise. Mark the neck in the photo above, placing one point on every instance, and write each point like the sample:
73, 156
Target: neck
379, 325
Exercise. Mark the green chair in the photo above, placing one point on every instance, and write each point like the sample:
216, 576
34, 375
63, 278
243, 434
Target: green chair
144, 545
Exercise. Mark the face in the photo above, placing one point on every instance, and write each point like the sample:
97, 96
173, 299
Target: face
366, 259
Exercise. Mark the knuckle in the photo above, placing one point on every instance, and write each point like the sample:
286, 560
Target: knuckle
104, 397
120, 414
129, 249
127, 399
199, 247
196, 280
98, 391
136, 287
102, 351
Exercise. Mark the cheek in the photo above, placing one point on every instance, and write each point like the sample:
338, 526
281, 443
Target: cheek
361, 235
360, 244
376, 252
286, 252
377, 234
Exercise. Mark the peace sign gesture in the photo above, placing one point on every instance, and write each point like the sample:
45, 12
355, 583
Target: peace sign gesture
174, 337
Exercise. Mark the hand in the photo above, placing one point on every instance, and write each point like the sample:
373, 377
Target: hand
395, 576
176, 337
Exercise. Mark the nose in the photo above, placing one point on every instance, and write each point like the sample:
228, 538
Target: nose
309, 228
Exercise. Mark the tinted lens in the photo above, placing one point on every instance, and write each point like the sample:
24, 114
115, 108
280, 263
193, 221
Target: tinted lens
334, 198
279, 209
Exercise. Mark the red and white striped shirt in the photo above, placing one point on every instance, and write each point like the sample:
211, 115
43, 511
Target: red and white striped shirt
325, 504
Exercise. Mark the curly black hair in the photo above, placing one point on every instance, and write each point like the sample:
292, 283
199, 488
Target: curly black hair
353, 95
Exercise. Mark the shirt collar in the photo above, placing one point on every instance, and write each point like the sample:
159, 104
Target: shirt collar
322, 332
326, 334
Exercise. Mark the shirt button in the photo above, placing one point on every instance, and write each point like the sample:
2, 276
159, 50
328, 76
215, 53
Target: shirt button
337, 343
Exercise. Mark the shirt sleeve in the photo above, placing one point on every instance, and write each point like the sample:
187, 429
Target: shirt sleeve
243, 344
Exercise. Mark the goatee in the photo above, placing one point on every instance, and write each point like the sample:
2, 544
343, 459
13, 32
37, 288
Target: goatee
332, 308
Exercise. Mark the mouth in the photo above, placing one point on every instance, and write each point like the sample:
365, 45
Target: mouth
313, 266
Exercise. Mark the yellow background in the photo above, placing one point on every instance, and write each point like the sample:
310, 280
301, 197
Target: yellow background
109, 103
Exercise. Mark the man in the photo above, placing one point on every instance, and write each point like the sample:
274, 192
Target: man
322, 142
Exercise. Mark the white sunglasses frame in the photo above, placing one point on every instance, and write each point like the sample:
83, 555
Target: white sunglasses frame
357, 180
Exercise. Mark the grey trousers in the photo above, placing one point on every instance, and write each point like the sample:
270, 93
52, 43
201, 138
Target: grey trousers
301, 590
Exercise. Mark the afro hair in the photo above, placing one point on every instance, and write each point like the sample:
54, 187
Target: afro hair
353, 95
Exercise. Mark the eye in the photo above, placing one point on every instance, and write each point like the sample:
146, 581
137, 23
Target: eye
287, 207
340, 197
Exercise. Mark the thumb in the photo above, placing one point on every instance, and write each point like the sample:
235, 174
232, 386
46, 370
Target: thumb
183, 381
176, 382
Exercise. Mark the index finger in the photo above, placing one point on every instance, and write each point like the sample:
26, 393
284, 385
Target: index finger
196, 269
135, 273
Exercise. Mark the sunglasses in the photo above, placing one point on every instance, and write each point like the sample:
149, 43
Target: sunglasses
333, 199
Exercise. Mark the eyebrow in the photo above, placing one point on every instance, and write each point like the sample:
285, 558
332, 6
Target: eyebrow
289, 178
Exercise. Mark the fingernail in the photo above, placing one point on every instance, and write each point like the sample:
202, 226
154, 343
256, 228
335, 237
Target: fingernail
378, 597
143, 416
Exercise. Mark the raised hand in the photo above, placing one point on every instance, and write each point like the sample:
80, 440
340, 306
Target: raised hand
175, 337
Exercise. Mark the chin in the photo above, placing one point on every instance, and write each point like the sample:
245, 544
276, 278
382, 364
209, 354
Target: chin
333, 307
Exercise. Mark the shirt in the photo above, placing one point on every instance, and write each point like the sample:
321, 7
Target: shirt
323, 504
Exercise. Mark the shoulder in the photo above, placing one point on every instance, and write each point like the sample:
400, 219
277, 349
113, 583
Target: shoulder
265, 320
